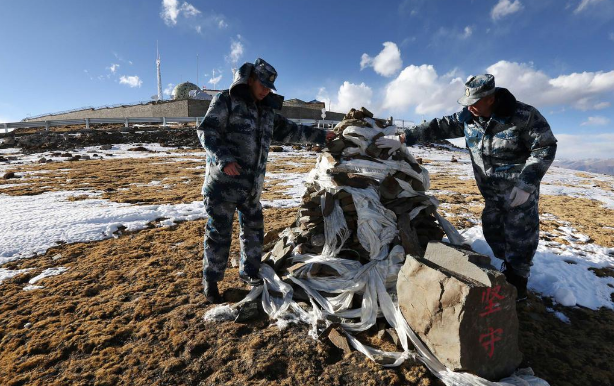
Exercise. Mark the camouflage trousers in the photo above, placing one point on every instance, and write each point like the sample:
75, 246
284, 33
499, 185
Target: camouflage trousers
218, 236
512, 233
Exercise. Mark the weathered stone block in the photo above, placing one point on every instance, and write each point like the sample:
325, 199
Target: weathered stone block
463, 309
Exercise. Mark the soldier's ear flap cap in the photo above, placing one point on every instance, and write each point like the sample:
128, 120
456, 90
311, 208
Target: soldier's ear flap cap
266, 73
476, 88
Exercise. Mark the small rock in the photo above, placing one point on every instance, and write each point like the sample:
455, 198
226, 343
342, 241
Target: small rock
389, 188
276, 149
56, 257
106, 147
366, 112
42, 160
318, 240
9, 141
340, 341
10, 175
138, 148
27, 325
329, 204
247, 312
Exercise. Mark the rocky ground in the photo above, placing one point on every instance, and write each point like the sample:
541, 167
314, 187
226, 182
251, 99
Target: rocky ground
129, 310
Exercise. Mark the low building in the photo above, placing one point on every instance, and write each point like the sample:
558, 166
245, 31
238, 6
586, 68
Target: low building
314, 104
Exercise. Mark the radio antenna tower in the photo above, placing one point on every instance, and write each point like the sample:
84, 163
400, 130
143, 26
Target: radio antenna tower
159, 73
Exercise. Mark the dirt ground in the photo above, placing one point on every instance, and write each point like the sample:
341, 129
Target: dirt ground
130, 310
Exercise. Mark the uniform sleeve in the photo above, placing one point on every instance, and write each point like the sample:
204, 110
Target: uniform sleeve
211, 130
450, 126
284, 130
540, 140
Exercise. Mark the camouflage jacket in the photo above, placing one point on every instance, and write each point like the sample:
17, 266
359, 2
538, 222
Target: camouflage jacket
515, 147
237, 129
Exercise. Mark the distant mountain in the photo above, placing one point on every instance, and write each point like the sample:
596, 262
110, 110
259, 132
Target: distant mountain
593, 165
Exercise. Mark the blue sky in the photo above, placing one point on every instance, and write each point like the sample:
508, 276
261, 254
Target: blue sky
407, 59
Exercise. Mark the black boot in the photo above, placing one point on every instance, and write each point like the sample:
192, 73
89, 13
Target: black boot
212, 293
517, 281
252, 280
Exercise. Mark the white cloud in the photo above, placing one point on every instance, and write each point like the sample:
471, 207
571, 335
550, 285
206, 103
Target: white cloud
468, 31
113, 67
171, 10
386, 63
183, 13
349, 96
596, 121
132, 81
168, 90
421, 87
611, 36
582, 91
189, 10
215, 79
584, 4
236, 50
505, 8
583, 146
601, 105
423, 90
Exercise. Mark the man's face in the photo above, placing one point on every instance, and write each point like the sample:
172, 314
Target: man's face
483, 107
258, 90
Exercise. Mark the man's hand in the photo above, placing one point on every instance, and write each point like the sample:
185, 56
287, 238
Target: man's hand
330, 135
232, 169
389, 141
518, 197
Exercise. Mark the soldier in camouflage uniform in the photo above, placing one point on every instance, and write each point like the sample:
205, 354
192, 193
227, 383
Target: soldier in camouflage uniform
511, 147
236, 133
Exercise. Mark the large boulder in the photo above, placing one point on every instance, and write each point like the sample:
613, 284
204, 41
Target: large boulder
463, 309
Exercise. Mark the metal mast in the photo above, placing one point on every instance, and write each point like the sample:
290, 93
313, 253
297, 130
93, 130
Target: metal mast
159, 73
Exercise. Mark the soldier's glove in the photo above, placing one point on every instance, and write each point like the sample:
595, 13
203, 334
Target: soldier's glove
389, 141
518, 197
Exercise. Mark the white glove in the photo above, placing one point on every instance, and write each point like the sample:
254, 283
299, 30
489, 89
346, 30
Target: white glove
389, 141
518, 197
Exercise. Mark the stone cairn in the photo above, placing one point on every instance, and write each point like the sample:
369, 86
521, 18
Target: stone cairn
344, 168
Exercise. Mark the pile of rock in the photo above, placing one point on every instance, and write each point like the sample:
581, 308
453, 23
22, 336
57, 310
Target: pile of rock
352, 160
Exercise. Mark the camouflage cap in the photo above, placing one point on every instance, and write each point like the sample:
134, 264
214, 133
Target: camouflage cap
476, 88
265, 72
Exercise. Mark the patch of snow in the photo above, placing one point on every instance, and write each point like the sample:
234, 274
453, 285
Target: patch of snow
561, 316
48, 273
552, 275
32, 224
9, 273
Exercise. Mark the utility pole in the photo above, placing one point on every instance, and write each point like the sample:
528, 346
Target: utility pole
197, 72
159, 73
